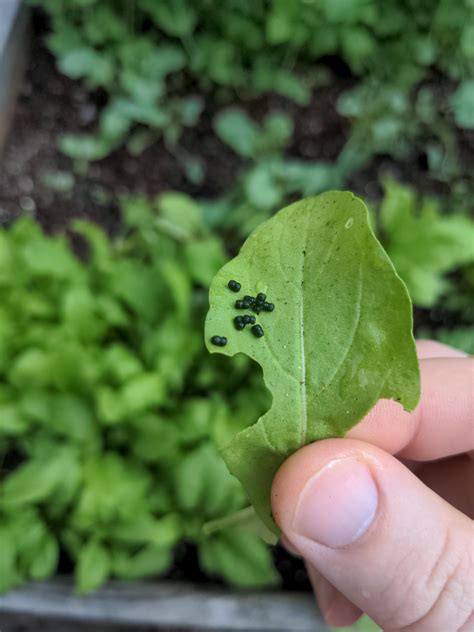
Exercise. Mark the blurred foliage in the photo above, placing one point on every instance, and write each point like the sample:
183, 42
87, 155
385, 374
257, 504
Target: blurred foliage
149, 57
111, 410
423, 243
268, 178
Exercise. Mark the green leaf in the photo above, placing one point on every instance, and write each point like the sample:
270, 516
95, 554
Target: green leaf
338, 340
204, 258
180, 217
142, 391
241, 558
161, 533
12, 422
88, 62
8, 571
422, 243
237, 130
262, 188
37, 479
93, 566
202, 484
45, 562
86, 147
121, 363
149, 561
72, 417
463, 104
176, 18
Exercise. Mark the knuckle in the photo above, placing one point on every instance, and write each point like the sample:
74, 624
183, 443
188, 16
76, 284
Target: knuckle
439, 600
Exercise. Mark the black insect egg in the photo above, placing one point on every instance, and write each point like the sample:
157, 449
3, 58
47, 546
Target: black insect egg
234, 285
257, 331
261, 298
240, 304
268, 307
219, 341
239, 322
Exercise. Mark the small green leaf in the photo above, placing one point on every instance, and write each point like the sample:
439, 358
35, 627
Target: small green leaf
241, 558
262, 188
12, 422
149, 561
46, 560
88, 62
93, 566
338, 340
36, 480
463, 104
204, 258
235, 128
142, 391
180, 217
8, 571
423, 243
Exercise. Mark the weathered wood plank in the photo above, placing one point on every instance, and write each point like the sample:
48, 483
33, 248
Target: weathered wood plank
166, 605
13, 51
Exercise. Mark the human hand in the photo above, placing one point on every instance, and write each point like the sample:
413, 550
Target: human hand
391, 535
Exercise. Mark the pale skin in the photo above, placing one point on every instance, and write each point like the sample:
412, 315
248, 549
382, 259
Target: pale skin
383, 518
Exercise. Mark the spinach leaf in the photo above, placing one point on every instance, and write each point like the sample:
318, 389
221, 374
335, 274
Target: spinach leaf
339, 338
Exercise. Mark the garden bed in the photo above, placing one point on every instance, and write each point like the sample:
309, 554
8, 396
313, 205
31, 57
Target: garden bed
51, 105
36, 179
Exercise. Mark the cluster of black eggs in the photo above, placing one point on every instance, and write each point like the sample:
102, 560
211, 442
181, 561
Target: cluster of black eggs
256, 304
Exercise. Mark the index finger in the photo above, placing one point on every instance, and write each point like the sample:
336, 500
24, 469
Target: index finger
443, 422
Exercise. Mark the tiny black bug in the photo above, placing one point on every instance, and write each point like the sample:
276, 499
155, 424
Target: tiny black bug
249, 299
257, 331
249, 320
246, 304
219, 341
239, 322
234, 286
257, 308
268, 307
240, 304
261, 298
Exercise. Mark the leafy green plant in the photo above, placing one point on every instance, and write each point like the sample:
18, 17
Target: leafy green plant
144, 54
338, 339
111, 411
268, 178
423, 243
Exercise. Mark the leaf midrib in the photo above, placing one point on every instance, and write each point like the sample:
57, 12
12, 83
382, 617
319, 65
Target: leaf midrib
304, 407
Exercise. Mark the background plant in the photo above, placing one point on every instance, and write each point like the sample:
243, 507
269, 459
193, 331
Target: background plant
147, 57
110, 410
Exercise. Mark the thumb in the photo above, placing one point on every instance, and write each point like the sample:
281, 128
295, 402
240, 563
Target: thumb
388, 543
